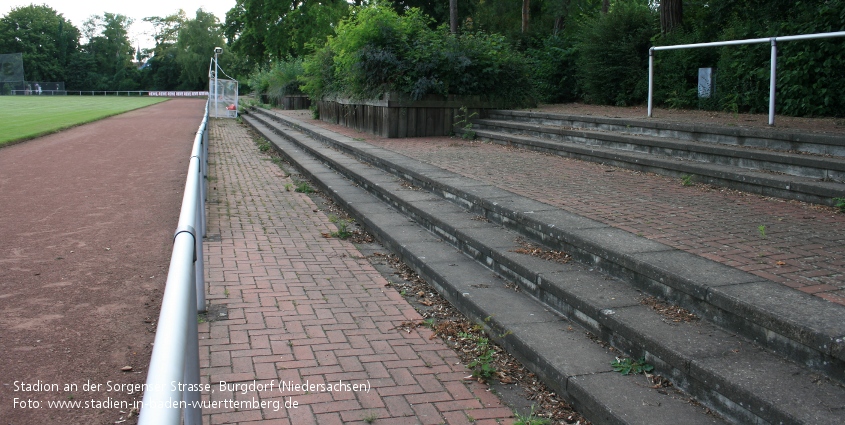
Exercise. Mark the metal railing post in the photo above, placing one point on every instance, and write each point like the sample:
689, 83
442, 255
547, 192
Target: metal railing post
773, 81
650, 79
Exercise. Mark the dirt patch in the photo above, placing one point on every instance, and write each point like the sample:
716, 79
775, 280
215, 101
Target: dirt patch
534, 250
671, 313
87, 228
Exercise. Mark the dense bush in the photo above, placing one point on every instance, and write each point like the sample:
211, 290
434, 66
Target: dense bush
377, 51
553, 70
809, 80
279, 80
613, 54
676, 71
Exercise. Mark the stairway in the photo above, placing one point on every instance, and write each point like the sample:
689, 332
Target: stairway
761, 353
786, 164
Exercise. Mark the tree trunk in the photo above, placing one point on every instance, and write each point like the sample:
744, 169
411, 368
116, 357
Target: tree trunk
671, 15
605, 6
453, 16
526, 13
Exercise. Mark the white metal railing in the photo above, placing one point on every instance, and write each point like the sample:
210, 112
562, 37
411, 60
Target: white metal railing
773, 73
165, 93
172, 388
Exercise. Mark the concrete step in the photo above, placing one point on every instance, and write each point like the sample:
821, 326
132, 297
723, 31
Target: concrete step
759, 182
768, 138
802, 165
573, 365
613, 312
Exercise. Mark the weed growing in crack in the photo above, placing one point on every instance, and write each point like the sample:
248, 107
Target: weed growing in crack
370, 418
264, 146
627, 366
839, 203
686, 179
762, 230
342, 227
464, 125
530, 419
304, 187
482, 366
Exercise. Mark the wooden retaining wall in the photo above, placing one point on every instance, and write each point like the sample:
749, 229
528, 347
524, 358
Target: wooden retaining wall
288, 102
431, 116
296, 102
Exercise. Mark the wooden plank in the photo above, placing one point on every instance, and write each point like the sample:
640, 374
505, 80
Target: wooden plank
402, 122
412, 122
391, 124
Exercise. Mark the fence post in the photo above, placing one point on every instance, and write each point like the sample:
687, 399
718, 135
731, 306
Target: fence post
650, 79
773, 81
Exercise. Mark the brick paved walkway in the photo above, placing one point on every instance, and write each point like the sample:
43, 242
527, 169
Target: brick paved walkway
800, 245
309, 310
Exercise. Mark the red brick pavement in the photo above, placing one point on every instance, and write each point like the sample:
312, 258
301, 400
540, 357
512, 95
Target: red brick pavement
308, 310
800, 245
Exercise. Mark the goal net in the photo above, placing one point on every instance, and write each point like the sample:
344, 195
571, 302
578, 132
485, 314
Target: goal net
223, 99
11, 72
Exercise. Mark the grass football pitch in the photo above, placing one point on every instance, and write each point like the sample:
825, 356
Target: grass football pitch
27, 117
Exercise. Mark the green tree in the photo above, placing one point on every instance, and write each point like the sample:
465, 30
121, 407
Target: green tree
46, 39
112, 53
197, 39
263, 30
162, 67
613, 54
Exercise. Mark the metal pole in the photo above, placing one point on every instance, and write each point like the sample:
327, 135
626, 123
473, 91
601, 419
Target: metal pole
650, 79
773, 81
215, 85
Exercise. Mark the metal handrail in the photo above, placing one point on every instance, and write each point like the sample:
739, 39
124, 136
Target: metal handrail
172, 388
159, 93
772, 74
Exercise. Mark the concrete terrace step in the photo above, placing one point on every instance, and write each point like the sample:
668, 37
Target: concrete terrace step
701, 358
767, 184
574, 366
722, 156
812, 166
770, 138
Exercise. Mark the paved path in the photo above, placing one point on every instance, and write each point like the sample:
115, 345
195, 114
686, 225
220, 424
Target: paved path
800, 245
308, 310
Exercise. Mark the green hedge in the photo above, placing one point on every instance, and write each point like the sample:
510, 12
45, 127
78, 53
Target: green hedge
279, 80
612, 64
377, 51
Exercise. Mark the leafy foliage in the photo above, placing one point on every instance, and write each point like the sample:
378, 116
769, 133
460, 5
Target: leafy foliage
195, 43
47, 40
628, 366
613, 54
376, 51
554, 70
809, 79
262, 31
